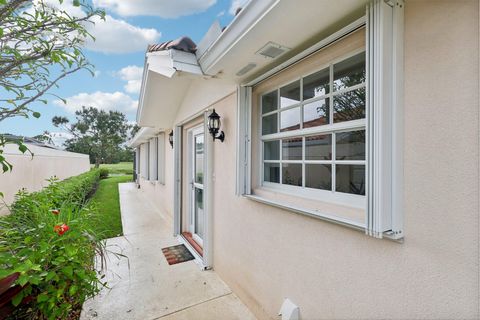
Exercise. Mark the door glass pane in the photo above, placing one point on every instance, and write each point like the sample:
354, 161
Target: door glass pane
350, 145
271, 172
199, 213
316, 113
270, 124
269, 102
316, 85
199, 156
318, 147
318, 176
349, 72
292, 174
290, 119
271, 150
292, 149
350, 179
290, 94
349, 106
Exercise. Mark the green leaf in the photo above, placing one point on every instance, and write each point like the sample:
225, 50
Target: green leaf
23, 279
42, 297
36, 114
17, 299
76, 3
1, 195
68, 271
1, 32
73, 290
23, 148
50, 275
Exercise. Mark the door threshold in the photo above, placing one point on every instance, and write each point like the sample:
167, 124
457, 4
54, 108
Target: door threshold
198, 258
188, 236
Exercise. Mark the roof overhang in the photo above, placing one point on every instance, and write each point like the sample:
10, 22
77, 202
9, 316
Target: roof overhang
142, 136
166, 77
272, 21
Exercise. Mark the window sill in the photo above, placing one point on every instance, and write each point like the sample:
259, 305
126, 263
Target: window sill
321, 216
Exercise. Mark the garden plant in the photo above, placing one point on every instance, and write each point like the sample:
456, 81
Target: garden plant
48, 246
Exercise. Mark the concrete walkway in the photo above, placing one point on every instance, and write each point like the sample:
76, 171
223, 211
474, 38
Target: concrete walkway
144, 286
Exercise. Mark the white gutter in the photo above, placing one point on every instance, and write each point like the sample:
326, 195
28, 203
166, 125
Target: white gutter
251, 14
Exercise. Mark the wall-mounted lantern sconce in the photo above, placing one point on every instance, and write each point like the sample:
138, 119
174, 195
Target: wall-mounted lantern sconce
213, 125
170, 138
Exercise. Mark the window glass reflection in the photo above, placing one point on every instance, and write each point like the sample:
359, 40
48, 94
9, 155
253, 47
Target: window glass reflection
350, 145
270, 124
318, 176
317, 84
350, 179
292, 149
349, 72
271, 172
290, 119
271, 150
290, 94
349, 106
292, 174
318, 147
316, 114
269, 102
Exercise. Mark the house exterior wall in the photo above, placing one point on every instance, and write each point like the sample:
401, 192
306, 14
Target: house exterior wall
266, 254
160, 194
32, 172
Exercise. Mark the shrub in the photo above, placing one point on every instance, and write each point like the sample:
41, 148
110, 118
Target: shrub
103, 173
48, 240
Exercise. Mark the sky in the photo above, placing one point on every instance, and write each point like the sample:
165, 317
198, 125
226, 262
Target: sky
118, 55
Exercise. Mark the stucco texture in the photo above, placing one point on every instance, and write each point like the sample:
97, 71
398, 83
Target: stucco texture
266, 254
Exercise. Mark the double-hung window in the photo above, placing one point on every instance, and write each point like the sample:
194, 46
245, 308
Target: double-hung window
313, 130
321, 134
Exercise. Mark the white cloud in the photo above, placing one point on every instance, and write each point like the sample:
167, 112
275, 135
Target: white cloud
118, 36
118, 101
221, 14
133, 76
111, 35
235, 5
160, 8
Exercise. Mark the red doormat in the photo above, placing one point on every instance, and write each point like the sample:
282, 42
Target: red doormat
177, 254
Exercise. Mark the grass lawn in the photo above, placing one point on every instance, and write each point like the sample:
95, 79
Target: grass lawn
119, 168
106, 201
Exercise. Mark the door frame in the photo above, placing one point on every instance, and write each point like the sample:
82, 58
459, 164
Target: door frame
191, 167
205, 262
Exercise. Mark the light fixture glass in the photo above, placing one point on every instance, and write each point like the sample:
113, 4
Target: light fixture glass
213, 125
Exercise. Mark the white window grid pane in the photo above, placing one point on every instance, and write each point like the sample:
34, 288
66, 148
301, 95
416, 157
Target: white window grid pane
301, 132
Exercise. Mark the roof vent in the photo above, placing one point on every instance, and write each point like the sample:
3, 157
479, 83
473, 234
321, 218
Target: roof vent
246, 69
272, 50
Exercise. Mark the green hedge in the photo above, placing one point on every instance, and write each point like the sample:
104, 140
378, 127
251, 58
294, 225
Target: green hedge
48, 238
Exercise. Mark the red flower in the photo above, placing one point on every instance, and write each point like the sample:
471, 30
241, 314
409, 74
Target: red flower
61, 229
55, 211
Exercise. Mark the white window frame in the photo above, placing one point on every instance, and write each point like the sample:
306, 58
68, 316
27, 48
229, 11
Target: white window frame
333, 196
384, 123
153, 159
161, 158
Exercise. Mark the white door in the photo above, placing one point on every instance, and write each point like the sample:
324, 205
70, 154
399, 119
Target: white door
197, 169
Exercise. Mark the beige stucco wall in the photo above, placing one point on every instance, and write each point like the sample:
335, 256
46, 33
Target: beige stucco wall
266, 254
32, 172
